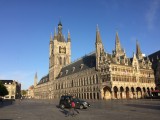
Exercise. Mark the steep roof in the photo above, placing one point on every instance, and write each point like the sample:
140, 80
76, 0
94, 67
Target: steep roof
44, 79
154, 58
6, 81
86, 62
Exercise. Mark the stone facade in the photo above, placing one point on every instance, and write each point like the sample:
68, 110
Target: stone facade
155, 58
98, 75
13, 87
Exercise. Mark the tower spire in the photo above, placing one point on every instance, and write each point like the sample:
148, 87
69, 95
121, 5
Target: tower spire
35, 79
98, 37
117, 43
69, 37
118, 49
138, 51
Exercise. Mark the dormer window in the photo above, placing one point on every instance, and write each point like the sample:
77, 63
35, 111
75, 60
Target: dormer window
73, 69
66, 71
81, 66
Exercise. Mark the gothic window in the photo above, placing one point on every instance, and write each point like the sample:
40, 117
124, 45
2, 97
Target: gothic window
93, 80
96, 79
90, 80
72, 84
81, 82
60, 60
86, 81
62, 86
64, 61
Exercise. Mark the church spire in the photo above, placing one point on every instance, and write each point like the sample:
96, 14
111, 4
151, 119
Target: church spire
51, 38
118, 49
35, 79
138, 51
117, 43
98, 37
69, 37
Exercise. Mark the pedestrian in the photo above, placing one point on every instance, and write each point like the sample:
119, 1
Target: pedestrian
70, 109
74, 106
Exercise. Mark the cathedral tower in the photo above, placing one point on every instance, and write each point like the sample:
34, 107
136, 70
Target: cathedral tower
99, 48
59, 53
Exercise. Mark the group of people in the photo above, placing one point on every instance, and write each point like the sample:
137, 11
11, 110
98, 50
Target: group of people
72, 108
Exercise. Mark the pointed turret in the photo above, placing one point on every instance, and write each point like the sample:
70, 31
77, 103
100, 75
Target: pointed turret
60, 36
98, 37
59, 27
117, 43
35, 79
118, 49
138, 51
69, 37
51, 44
135, 62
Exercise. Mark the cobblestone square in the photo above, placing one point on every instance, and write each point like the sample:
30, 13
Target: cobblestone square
99, 110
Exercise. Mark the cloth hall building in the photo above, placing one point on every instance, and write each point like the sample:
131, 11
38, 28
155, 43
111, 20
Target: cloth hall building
98, 75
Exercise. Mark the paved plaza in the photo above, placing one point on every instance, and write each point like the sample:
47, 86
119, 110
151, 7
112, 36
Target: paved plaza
99, 110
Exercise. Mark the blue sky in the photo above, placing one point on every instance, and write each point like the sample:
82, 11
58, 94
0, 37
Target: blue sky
26, 25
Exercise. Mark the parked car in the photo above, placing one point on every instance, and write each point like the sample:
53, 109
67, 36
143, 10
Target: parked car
79, 103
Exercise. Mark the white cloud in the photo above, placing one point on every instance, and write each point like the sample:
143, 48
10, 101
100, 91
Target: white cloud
151, 14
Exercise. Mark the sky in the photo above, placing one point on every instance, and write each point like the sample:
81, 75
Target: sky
26, 26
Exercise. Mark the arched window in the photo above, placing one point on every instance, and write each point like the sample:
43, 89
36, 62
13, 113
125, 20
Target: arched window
64, 61
60, 60
72, 83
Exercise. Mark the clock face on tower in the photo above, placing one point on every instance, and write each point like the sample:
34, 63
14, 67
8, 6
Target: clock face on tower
62, 49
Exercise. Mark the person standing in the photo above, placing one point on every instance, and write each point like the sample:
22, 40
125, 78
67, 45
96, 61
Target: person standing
74, 104
70, 109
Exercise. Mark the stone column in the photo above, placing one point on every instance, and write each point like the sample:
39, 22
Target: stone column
101, 94
118, 95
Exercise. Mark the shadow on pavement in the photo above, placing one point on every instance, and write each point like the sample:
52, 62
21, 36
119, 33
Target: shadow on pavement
5, 119
6, 103
63, 111
144, 106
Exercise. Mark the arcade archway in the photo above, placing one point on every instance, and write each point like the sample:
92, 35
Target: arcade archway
107, 93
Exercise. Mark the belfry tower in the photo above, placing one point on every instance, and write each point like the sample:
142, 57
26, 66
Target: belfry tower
59, 52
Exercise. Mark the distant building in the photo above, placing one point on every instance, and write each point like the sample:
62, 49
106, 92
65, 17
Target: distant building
98, 75
30, 92
13, 87
155, 58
